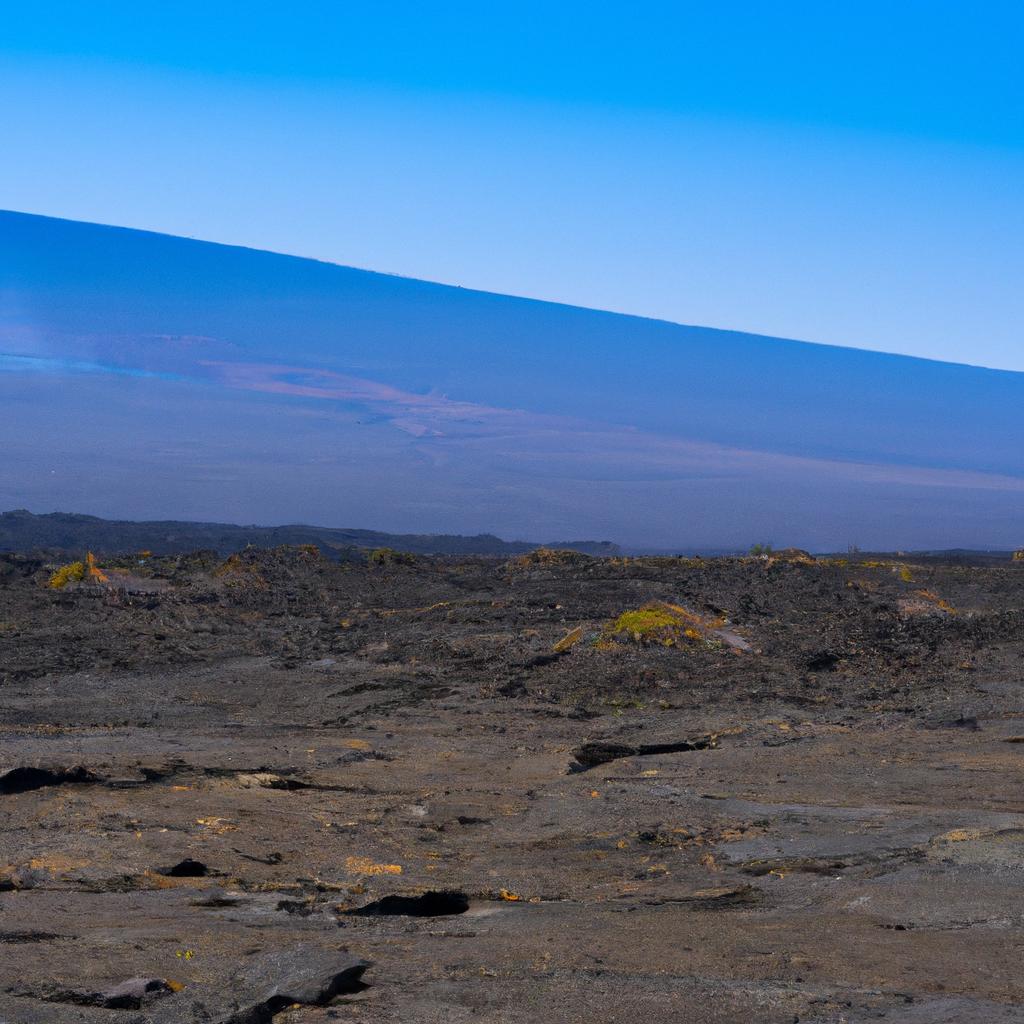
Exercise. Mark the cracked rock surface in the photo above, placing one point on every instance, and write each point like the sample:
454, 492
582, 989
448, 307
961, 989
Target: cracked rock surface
284, 789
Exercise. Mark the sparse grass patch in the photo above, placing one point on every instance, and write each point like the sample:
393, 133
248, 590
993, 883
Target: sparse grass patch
657, 623
235, 571
550, 556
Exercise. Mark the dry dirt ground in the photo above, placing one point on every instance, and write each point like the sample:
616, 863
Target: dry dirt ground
279, 788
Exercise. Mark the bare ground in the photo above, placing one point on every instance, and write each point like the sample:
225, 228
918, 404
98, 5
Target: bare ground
247, 781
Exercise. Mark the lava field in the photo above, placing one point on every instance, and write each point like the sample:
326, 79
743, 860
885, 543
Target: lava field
556, 788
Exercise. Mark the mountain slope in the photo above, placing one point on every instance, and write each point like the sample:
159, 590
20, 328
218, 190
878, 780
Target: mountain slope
150, 376
76, 534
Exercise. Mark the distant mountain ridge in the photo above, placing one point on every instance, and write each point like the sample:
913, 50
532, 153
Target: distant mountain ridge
152, 376
74, 534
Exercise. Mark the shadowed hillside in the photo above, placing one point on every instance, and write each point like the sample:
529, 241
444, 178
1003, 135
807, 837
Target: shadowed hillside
76, 534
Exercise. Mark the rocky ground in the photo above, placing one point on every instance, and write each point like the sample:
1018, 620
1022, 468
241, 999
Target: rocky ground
553, 789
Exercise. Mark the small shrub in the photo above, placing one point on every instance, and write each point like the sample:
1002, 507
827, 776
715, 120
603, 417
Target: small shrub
231, 565
550, 556
74, 572
654, 623
239, 571
389, 556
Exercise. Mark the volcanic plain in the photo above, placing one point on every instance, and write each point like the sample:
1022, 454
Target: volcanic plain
551, 788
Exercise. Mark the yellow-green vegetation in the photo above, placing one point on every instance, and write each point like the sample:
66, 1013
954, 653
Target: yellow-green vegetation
237, 571
389, 556
655, 623
899, 568
796, 556
76, 572
1018, 556
621, 703
550, 556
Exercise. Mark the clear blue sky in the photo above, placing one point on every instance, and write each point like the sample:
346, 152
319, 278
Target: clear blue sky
843, 173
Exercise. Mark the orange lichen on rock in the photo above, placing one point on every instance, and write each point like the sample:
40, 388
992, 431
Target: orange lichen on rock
573, 637
92, 572
366, 866
942, 605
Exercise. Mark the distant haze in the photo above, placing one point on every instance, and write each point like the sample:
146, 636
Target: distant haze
150, 377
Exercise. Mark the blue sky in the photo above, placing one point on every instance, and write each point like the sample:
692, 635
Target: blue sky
851, 174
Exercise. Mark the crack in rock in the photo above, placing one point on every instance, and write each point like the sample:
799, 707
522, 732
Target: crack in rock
132, 994
24, 779
430, 904
597, 752
187, 868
